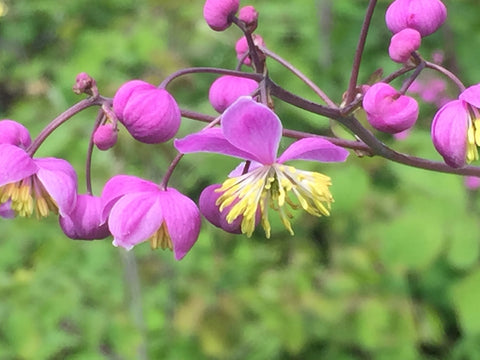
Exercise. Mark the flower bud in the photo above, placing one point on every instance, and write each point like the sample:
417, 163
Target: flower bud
105, 136
14, 133
472, 182
389, 111
449, 132
85, 84
403, 44
218, 13
241, 47
84, 222
226, 89
249, 16
150, 114
425, 16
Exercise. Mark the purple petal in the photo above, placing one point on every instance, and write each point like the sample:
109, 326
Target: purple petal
135, 218
120, 185
12, 132
15, 164
183, 220
253, 128
210, 140
471, 95
84, 222
316, 149
60, 180
6, 211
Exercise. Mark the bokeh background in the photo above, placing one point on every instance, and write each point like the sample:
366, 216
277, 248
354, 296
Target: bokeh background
393, 273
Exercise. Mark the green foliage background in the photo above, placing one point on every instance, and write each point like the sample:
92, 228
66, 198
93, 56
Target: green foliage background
393, 273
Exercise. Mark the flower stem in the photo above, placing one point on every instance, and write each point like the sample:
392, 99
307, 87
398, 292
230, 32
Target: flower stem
300, 75
88, 162
63, 117
447, 73
359, 52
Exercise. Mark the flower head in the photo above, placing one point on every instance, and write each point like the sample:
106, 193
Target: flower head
389, 111
456, 128
150, 114
43, 185
218, 13
139, 210
84, 222
226, 89
425, 16
105, 136
403, 44
252, 131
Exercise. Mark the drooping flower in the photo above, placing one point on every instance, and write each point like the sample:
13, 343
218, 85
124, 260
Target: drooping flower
252, 131
139, 210
389, 111
403, 44
241, 47
105, 136
226, 89
14, 133
425, 16
85, 221
218, 13
42, 185
151, 115
456, 128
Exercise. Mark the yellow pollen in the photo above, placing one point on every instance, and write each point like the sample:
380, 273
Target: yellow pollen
161, 238
269, 187
28, 196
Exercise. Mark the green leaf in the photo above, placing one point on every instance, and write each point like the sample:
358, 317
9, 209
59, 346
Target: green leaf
466, 299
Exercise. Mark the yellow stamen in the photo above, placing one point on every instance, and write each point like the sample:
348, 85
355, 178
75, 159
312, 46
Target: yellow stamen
161, 238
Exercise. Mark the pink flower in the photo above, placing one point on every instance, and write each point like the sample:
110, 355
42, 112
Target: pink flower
241, 47
455, 133
389, 111
226, 89
249, 16
403, 44
139, 210
14, 133
218, 13
425, 16
252, 131
85, 220
41, 184
150, 114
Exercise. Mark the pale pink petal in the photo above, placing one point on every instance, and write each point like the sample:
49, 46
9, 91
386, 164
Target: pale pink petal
15, 164
254, 128
315, 149
135, 218
213, 141
182, 219
60, 180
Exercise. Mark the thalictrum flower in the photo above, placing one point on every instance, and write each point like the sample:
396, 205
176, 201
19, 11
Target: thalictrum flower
226, 89
252, 131
36, 184
139, 210
12, 132
219, 13
403, 44
456, 128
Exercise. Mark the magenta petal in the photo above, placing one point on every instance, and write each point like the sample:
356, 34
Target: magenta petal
12, 132
471, 95
314, 148
60, 180
120, 185
135, 218
15, 164
84, 222
210, 140
183, 221
253, 128
449, 132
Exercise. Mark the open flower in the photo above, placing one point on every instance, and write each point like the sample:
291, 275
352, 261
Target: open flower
456, 130
43, 185
252, 131
139, 210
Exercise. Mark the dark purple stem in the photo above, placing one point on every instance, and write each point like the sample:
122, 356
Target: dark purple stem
170, 170
359, 52
208, 70
447, 73
88, 162
63, 117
